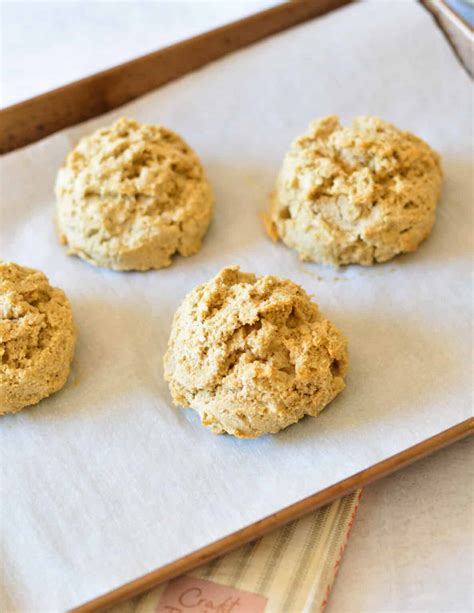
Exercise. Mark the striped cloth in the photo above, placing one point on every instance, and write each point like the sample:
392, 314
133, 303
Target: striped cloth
289, 570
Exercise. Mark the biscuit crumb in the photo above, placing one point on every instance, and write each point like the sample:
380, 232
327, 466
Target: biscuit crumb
268, 225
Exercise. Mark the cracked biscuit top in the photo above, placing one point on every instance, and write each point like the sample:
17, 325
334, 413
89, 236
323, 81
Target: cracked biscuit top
131, 196
37, 337
360, 194
253, 355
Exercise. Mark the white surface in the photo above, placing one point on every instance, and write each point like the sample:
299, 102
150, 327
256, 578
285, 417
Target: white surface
47, 44
411, 547
57, 438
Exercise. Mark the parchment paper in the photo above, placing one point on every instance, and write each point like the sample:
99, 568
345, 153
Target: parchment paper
106, 481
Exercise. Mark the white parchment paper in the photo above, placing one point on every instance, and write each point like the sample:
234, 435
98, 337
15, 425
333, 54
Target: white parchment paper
106, 481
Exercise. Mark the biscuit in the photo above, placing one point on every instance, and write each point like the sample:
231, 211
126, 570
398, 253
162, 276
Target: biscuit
37, 337
131, 196
361, 194
253, 355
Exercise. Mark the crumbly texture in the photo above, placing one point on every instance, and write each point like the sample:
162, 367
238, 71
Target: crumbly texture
361, 194
253, 355
37, 337
131, 196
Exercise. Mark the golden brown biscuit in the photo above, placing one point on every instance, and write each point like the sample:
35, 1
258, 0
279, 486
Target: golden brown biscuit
131, 196
361, 194
37, 337
253, 354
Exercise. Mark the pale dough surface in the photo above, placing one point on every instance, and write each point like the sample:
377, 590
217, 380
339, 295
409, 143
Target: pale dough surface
358, 194
253, 355
37, 337
130, 196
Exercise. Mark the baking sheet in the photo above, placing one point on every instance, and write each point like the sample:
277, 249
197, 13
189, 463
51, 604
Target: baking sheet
106, 481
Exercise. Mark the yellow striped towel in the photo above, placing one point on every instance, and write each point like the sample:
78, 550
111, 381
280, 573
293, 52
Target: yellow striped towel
290, 570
